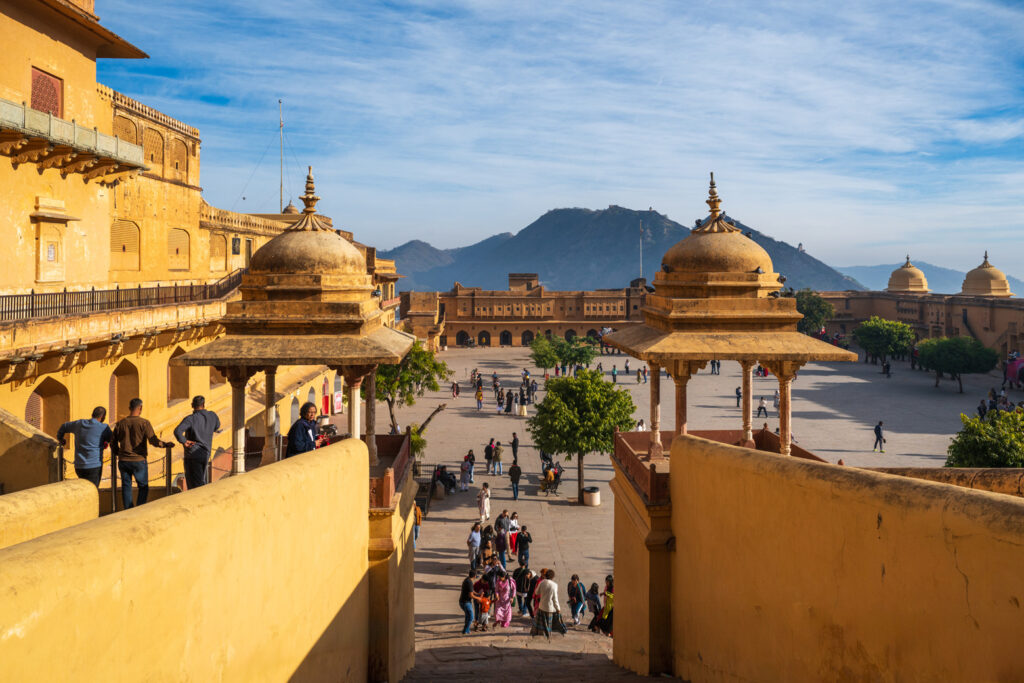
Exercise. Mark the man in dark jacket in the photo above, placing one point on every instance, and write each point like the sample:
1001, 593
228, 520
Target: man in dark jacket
515, 448
879, 438
302, 435
488, 454
131, 436
195, 433
514, 474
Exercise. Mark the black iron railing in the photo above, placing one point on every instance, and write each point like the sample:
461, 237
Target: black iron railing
31, 306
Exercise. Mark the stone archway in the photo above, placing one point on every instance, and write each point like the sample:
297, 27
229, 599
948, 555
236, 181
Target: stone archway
462, 338
295, 410
177, 377
593, 334
527, 338
570, 335
505, 338
124, 386
48, 406
483, 339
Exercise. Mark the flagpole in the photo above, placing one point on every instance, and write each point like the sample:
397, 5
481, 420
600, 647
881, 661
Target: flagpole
280, 114
641, 247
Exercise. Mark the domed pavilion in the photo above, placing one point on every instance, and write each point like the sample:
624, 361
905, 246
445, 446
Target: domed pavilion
986, 280
717, 298
306, 300
908, 279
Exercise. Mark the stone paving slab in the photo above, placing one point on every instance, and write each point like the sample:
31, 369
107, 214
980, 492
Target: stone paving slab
835, 407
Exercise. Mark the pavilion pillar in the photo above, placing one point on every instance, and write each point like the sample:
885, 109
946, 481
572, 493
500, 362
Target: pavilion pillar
747, 399
354, 383
684, 370
785, 371
371, 415
270, 453
238, 376
655, 449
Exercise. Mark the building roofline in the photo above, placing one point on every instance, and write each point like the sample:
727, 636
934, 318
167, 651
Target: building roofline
111, 45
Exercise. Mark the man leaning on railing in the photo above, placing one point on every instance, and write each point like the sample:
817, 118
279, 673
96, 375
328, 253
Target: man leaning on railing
131, 435
91, 437
195, 433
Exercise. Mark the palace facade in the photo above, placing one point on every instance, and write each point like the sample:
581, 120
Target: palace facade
114, 265
984, 309
473, 316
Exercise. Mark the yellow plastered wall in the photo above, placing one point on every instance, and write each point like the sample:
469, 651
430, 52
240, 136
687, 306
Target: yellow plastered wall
392, 632
260, 577
26, 454
38, 511
792, 570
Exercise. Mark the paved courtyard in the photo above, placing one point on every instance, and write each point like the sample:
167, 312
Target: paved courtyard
835, 408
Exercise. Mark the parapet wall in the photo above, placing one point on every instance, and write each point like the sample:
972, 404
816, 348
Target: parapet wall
37, 511
793, 570
256, 577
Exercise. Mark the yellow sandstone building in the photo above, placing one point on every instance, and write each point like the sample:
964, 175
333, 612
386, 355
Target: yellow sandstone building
114, 265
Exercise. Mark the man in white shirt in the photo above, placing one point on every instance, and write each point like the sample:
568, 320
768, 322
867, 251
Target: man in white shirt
548, 609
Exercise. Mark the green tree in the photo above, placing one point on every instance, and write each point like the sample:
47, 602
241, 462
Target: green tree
881, 337
403, 383
542, 351
956, 356
996, 441
578, 416
815, 309
575, 352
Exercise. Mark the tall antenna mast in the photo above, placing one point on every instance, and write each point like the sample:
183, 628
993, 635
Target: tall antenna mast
280, 114
641, 247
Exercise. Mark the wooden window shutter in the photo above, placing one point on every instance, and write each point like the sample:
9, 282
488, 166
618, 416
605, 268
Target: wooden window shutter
34, 410
218, 252
124, 246
125, 129
153, 146
47, 93
177, 249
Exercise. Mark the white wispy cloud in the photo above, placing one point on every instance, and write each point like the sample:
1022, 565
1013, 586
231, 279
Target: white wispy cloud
842, 125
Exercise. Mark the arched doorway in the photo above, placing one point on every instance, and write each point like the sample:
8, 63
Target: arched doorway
124, 386
177, 377
48, 407
311, 397
505, 338
527, 338
570, 335
484, 339
547, 333
462, 338
294, 412
592, 334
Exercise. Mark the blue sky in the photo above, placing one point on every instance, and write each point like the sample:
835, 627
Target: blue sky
864, 130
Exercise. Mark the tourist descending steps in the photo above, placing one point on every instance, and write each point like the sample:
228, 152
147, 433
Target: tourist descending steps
466, 599
504, 590
548, 614
603, 622
577, 598
483, 499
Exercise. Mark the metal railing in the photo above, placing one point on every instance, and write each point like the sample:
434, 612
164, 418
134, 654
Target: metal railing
166, 459
43, 124
38, 305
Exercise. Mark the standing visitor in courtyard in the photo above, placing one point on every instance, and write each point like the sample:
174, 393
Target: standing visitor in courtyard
195, 433
466, 599
739, 395
479, 398
471, 457
548, 610
483, 500
496, 458
775, 401
615, 375
91, 437
879, 438
473, 546
464, 474
302, 435
515, 448
762, 407
523, 541
417, 520
131, 436
488, 455
577, 598
514, 474
504, 591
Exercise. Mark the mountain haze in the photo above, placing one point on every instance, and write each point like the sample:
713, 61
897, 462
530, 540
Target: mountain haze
574, 249
940, 280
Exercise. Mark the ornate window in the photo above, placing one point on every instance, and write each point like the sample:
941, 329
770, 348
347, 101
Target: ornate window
126, 129
47, 93
153, 147
177, 249
124, 246
218, 253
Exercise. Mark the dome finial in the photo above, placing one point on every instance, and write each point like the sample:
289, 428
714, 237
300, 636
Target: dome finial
713, 201
986, 258
908, 263
310, 199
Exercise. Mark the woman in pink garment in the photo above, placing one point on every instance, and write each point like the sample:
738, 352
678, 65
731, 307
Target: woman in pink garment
504, 591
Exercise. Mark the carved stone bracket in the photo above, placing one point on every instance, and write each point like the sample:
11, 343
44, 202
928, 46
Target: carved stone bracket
79, 165
60, 156
32, 152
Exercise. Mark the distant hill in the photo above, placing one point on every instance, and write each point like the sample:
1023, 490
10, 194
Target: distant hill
940, 280
584, 249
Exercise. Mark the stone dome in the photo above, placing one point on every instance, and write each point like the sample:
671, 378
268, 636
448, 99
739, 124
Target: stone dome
290, 209
907, 278
309, 246
986, 280
716, 246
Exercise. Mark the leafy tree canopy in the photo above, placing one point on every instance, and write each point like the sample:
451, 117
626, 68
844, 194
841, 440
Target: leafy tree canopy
403, 383
575, 352
815, 309
956, 356
881, 337
542, 351
579, 415
996, 441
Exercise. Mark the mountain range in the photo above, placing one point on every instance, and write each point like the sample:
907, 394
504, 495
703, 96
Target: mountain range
574, 249
940, 280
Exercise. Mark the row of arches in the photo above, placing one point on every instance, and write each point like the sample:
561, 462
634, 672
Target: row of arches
483, 338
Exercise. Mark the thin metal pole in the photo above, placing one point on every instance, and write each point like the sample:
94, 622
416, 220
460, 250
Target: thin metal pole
167, 472
113, 480
280, 113
641, 247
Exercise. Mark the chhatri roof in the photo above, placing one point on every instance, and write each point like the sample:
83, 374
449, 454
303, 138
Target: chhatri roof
306, 300
986, 280
716, 297
908, 278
